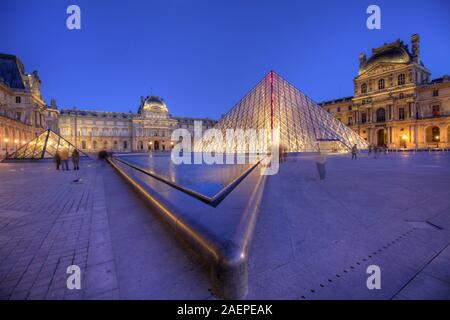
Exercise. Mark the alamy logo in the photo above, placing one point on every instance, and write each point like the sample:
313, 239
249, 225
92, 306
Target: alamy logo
73, 21
230, 147
374, 20
74, 279
374, 280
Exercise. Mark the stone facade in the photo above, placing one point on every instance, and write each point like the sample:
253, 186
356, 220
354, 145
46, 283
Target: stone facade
148, 129
395, 103
23, 112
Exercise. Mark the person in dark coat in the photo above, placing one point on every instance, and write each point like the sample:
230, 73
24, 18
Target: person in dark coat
354, 151
76, 159
57, 160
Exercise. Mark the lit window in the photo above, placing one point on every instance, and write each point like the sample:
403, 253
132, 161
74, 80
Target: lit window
436, 110
401, 79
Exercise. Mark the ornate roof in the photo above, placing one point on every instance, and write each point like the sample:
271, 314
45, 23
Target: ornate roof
153, 104
11, 70
395, 52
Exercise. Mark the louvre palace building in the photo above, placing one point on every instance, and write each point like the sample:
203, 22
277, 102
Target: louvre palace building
24, 116
395, 102
148, 129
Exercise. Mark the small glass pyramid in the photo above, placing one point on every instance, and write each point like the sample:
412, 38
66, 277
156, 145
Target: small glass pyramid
43, 146
303, 125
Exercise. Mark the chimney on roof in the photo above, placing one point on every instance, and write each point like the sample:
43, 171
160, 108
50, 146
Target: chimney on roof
362, 59
415, 41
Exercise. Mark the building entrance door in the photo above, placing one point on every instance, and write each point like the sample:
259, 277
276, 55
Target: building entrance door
381, 137
156, 145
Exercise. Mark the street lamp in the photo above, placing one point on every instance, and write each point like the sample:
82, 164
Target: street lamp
171, 144
437, 141
16, 142
150, 145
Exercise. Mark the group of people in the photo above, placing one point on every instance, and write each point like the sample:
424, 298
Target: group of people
377, 150
62, 159
372, 148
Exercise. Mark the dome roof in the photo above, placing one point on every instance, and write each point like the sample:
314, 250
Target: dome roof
392, 53
154, 104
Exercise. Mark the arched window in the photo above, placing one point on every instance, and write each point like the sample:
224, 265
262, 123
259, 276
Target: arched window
381, 115
401, 79
380, 84
364, 88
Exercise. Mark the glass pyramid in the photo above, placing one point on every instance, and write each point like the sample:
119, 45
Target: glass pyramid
303, 125
43, 146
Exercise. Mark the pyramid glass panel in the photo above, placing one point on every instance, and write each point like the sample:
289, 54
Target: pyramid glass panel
303, 125
43, 146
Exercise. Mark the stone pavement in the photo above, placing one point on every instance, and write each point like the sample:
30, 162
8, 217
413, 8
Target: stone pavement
48, 222
313, 240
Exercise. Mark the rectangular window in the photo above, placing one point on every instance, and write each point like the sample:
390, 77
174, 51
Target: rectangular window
350, 121
339, 109
435, 93
363, 117
436, 111
401, 113
18, 99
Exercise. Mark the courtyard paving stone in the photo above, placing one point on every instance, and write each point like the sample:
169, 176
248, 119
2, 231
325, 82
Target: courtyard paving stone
313, 239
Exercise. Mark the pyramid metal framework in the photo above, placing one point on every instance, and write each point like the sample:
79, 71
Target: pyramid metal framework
303, 125
43, 146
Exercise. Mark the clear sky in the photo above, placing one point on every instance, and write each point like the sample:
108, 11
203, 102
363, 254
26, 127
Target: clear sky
202, 56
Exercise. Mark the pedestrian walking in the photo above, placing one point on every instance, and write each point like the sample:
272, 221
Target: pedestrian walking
281, 153
76, 159
65, 159
57, 160
320, 163
354, 151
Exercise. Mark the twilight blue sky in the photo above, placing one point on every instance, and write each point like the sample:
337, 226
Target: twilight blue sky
202, 56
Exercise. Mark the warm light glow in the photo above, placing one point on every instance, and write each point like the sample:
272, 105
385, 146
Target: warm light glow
404, 137
23, 141
6, 140
16, 141
437, 137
